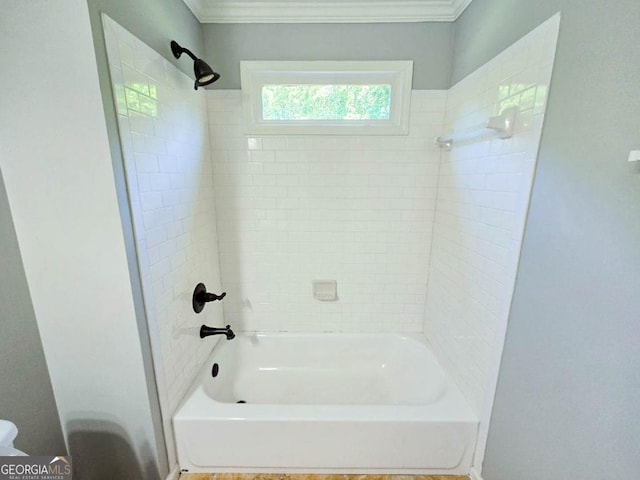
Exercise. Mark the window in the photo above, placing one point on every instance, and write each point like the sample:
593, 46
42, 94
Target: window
326, 102
345, 98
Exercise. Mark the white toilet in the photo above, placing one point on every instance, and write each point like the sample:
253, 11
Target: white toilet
8, 433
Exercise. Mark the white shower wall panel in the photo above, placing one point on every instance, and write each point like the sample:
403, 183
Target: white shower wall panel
483, 198
357, 209
164, 137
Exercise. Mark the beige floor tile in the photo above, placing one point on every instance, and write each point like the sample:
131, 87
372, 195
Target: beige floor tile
276, 476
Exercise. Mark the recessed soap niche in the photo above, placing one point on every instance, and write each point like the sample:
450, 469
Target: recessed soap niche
325, 290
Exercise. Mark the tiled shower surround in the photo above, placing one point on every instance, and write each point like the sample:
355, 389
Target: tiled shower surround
417, 238
357, 209
163, 132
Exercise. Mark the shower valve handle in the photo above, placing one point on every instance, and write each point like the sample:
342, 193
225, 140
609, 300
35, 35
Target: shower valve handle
201, 297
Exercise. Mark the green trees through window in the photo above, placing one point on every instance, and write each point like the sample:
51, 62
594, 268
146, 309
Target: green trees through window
326, 102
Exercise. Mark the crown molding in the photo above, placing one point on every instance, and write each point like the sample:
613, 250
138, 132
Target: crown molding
459, 6
326, 11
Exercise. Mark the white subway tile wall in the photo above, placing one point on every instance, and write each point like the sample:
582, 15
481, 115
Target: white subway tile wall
483, 198
355, 209
164, 137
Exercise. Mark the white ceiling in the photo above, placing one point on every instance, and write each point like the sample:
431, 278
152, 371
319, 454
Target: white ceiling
326, 11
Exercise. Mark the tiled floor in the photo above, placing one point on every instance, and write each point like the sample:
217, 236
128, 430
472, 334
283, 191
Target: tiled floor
275, 476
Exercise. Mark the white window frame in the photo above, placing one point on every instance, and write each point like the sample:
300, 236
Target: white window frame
398, 74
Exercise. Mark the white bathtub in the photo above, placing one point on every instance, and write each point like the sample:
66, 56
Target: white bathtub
325, 403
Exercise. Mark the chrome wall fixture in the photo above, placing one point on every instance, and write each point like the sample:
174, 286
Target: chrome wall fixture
501, 126
203, 72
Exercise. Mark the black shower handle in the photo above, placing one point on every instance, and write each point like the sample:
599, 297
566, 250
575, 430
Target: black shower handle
205, 297
201, 297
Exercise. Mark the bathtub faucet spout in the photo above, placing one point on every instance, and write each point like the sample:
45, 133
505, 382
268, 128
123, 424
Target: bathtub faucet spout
207, 331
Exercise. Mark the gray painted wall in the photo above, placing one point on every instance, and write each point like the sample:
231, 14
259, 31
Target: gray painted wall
569, 387
155, 22
486, 28
27, 397
429, 45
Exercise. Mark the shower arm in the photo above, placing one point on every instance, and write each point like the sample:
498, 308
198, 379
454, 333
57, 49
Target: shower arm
177, 50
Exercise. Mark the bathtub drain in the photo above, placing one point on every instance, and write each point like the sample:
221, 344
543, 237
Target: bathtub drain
241, 401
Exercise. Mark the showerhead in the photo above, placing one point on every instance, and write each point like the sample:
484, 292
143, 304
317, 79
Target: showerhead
203, 72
